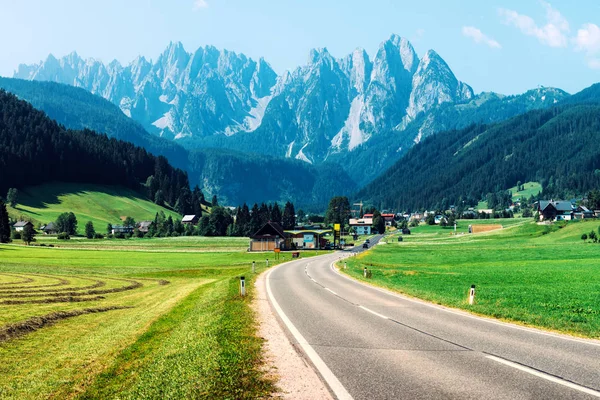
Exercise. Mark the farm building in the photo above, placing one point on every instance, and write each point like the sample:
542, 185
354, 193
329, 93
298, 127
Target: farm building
268, 238
49, 229
122, 229
555, 210
190, 219
308, 238
20, 225
362, 226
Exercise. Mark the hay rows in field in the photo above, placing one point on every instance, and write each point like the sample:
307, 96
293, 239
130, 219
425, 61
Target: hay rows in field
57, 289
12, 331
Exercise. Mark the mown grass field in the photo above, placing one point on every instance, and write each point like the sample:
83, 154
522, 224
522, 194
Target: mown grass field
543, 276
97, 203
158, 323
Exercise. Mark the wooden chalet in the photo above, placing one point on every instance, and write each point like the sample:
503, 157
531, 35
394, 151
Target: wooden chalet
268, 238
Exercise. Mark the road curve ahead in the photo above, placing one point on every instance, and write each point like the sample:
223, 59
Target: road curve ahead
371, 344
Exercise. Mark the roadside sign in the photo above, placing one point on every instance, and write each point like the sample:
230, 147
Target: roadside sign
337, 227
277, 250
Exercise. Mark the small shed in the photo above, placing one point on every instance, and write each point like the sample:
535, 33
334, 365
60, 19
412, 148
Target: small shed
190, 219
268, 238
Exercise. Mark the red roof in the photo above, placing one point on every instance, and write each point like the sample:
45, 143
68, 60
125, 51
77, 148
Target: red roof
388, 215
368, 216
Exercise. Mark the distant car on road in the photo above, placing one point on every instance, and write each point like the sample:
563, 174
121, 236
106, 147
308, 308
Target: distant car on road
327, 246
365, 245
368, 241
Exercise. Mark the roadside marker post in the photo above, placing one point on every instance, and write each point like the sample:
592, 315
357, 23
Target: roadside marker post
267, 262
242, 286
365, 272
472, 295
253, 267
345, 265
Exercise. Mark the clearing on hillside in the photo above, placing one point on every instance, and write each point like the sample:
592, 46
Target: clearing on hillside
97, 203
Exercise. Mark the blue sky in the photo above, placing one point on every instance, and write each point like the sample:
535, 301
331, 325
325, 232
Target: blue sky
505, 46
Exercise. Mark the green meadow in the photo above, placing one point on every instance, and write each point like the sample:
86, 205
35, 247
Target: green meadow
537, 275
148, 321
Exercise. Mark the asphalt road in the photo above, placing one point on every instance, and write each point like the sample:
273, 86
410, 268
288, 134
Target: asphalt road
371, 344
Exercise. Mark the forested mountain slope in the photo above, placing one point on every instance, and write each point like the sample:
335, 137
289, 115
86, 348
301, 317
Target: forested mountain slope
78, 109
559, 147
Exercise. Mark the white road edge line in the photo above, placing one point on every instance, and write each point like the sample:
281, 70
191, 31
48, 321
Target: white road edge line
373, 312
336, 386
329, 290
464, 313
545, 376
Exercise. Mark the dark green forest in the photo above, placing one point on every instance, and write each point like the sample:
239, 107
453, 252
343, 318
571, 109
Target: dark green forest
558, 147
35, 149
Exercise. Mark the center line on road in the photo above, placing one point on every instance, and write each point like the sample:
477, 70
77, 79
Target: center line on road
331, 291
373, 312
546, 376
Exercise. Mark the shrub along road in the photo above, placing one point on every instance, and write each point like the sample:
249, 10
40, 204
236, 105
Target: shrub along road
371, 344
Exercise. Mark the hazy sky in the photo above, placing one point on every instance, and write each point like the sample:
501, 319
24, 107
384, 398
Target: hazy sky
504, 46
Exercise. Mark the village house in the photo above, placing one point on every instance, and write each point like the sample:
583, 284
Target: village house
551, 210
144, 226
49, 229
20, 225
268, 238
583, 212
389, 219
190, 220
362, 226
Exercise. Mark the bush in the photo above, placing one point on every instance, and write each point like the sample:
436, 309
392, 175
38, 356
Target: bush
98, 236
584, 236
50, 245
63, 236
119, 235
15, 235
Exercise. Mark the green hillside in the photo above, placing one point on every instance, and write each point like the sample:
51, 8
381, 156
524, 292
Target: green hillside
97, 203
556, 147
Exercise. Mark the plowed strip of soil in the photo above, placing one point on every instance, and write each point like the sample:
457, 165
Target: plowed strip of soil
51, 300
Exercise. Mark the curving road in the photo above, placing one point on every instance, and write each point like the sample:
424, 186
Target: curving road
371, 344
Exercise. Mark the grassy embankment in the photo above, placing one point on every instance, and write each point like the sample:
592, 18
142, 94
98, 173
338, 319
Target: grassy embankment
543, 276
154, 323
97, 203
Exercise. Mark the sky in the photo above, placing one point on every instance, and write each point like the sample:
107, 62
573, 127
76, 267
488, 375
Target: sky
505, 46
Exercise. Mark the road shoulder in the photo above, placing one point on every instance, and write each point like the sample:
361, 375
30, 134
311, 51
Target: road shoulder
296, 378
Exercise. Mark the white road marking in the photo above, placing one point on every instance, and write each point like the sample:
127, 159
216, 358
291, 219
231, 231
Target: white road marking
542, 375
373, 312
329, 290
313, 280
336, 386
465, 314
